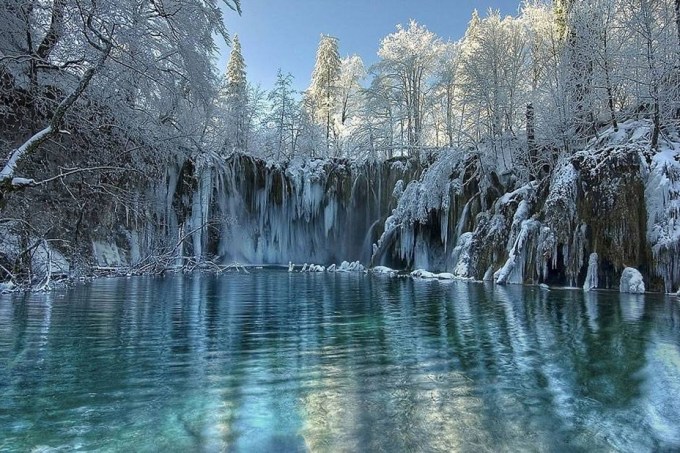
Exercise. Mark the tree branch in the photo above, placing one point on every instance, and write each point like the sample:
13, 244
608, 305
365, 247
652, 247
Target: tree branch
8, 183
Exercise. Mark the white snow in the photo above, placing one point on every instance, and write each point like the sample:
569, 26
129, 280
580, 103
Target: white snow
345, 266
426, 275
22, 182
513, 270
461, 256
384, 270
631, 281
662, 198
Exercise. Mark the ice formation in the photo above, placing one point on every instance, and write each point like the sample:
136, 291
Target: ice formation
631, 281
451, 216
242, 209
591, 277
662, 197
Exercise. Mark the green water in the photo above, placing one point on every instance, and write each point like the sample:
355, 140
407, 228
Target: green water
271, 361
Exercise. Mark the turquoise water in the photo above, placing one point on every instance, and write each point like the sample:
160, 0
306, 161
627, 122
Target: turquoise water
271, 361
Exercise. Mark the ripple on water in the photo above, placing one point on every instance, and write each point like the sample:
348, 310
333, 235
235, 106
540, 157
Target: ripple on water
271, 361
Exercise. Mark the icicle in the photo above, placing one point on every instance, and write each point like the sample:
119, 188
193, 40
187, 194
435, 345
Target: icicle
444, 226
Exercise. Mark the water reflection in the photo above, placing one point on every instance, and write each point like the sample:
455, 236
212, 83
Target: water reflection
271, 361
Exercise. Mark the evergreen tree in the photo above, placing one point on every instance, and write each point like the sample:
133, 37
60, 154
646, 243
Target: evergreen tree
236, 98
322, 93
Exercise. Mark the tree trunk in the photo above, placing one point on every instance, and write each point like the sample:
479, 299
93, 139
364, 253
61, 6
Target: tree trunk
531, 134
677, 62
54, 33
677, 21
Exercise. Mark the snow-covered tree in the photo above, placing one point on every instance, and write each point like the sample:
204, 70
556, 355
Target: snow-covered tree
408, 59
447, 90
322, 94
149, 63
235, 94
494, 74
352, 72
283, 116
649, 26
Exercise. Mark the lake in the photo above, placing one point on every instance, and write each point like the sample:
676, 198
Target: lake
272, 361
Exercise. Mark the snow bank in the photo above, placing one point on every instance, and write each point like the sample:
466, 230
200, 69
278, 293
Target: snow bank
631, 281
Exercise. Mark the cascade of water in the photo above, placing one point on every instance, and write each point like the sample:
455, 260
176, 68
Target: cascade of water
591, 277
316, 211
463, 218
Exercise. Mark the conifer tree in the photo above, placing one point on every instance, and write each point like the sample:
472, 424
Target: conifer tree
322, 93
236, 98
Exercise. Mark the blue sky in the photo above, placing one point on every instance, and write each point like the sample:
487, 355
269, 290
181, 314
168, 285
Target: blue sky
285, 33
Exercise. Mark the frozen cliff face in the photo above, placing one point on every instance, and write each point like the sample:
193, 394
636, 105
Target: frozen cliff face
245, 210
662, 197
604, 206
631, 281
431, 214
504, 238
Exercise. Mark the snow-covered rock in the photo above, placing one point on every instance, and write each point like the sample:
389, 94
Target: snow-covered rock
345, 266
631, 281
384, 270
6, 287
422, 273
312, 268
427, 275
107, 254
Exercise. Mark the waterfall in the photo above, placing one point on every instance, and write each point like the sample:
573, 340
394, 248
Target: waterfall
591, 277
320, 211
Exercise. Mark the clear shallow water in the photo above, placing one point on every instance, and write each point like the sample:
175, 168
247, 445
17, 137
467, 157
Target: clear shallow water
272, 361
